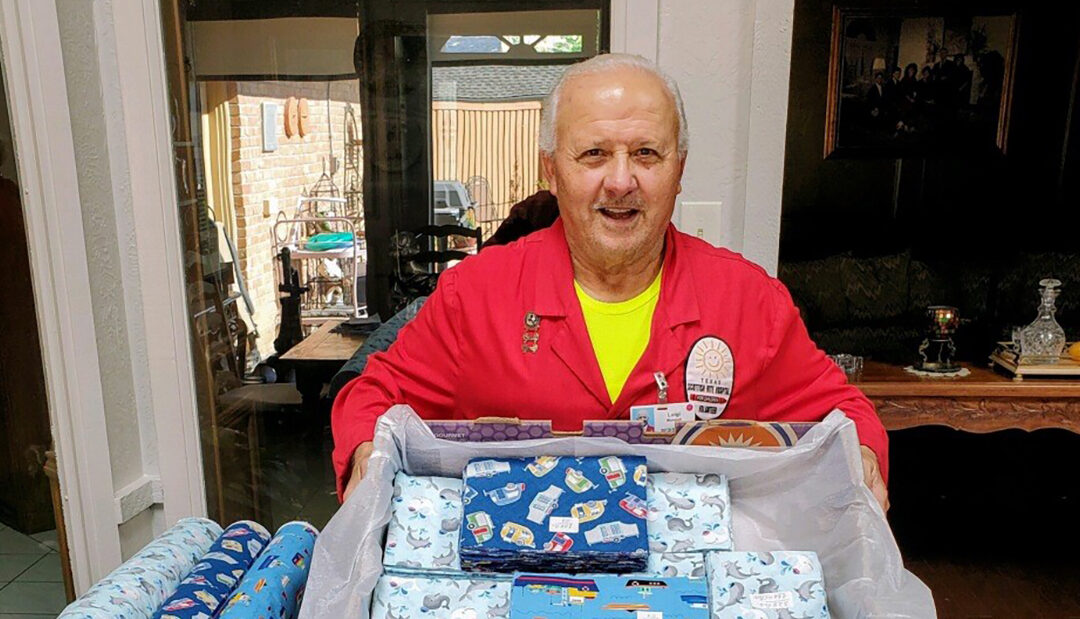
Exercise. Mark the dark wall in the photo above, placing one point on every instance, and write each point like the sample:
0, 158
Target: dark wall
868, 241
937, 204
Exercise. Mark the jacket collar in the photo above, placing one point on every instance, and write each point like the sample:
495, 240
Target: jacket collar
553, 274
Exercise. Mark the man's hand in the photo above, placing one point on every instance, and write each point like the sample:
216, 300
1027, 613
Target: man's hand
871, 475
359, 467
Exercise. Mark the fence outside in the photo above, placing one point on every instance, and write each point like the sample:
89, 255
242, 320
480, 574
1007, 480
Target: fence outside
493, 148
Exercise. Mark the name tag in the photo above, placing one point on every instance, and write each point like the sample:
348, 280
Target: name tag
664, 417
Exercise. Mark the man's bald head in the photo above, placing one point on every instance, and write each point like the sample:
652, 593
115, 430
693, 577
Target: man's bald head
602, 64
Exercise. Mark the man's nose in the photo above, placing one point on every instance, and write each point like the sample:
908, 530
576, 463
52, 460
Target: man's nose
620, 179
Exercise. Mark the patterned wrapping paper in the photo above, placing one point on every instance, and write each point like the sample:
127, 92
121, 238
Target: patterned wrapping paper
555, 514
217, 573
424, 525
689, 512
141, 584
581, 596
400, 596
766, 585
274, 586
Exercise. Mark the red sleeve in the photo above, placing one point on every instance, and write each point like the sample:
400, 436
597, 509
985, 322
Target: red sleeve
805, 385
419, 369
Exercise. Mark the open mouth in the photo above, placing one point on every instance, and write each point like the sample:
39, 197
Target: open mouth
618, 214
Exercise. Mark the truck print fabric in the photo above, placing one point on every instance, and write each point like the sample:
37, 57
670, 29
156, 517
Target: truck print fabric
555, 514
217, 573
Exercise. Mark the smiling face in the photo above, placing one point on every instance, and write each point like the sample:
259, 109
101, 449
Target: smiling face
616, 167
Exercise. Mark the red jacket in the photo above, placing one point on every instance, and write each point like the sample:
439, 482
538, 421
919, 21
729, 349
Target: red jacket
462, 356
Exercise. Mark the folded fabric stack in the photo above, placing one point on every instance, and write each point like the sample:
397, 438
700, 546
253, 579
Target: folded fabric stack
689, 513
555, 514
217, 573
424, 525
552, 596
766, 585
401, 596
274, 586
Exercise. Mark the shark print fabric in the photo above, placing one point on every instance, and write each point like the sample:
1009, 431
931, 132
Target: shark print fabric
688, 513
217, 573
424, 525
139, 586
274, 586
766, 585
399, 596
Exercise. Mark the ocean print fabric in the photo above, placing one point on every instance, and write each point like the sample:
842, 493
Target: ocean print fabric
274, 586
139, 586
399, 596
425, 523
688, 512
677, 564
555, 514
217, 573
585, 596
766, 585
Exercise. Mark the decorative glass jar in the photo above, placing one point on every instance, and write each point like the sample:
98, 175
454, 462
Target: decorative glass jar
1043, 340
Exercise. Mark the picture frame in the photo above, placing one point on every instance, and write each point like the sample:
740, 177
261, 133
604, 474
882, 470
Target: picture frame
905, 82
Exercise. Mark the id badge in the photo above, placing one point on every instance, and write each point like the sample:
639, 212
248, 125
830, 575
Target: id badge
664, 418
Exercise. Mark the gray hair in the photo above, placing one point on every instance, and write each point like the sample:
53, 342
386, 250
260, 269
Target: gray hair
599, 64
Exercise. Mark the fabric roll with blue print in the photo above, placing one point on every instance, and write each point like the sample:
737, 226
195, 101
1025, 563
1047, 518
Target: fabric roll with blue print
402, 596
766, 585
274, 586
424, 525
688, 512
217, 573
555, 514
138, 587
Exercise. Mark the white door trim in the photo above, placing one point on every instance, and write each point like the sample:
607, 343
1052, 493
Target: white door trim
148, 140
635, 28
769, 85
45, 157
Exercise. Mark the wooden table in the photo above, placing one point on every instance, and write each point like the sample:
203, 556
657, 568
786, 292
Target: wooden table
319, 356
984, 401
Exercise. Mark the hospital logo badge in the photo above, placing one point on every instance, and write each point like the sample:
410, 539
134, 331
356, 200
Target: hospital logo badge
710, 376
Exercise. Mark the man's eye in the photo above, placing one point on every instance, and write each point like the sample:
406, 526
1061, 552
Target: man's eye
592, 152
646, 152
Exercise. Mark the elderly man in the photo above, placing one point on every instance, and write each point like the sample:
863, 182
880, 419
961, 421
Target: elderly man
610, 307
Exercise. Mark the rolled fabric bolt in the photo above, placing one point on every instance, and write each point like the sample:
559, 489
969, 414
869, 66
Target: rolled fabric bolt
138, 587
274, 586
218, 572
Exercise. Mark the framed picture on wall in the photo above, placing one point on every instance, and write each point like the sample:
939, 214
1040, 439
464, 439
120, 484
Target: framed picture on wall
908, 83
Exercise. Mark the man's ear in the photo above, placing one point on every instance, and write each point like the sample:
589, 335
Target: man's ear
548, 163
682, 168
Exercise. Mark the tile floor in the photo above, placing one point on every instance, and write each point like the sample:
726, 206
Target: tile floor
31, 584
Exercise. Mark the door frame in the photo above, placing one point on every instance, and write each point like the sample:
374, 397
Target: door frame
44, 150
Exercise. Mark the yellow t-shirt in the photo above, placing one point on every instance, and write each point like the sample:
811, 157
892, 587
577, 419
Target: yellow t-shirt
619, 332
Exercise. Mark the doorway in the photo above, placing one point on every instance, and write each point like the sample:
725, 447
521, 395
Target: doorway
32, 556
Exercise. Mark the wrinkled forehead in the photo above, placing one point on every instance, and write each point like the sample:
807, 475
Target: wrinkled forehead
627, 99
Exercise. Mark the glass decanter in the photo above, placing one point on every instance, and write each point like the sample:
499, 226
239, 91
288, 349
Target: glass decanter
1044, 340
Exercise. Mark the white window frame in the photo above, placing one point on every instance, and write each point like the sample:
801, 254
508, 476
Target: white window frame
45, 159
41, 127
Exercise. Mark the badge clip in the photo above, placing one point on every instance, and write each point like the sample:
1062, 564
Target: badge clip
661, 387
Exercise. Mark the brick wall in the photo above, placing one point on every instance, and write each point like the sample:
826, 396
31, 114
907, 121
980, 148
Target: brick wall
267, 182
